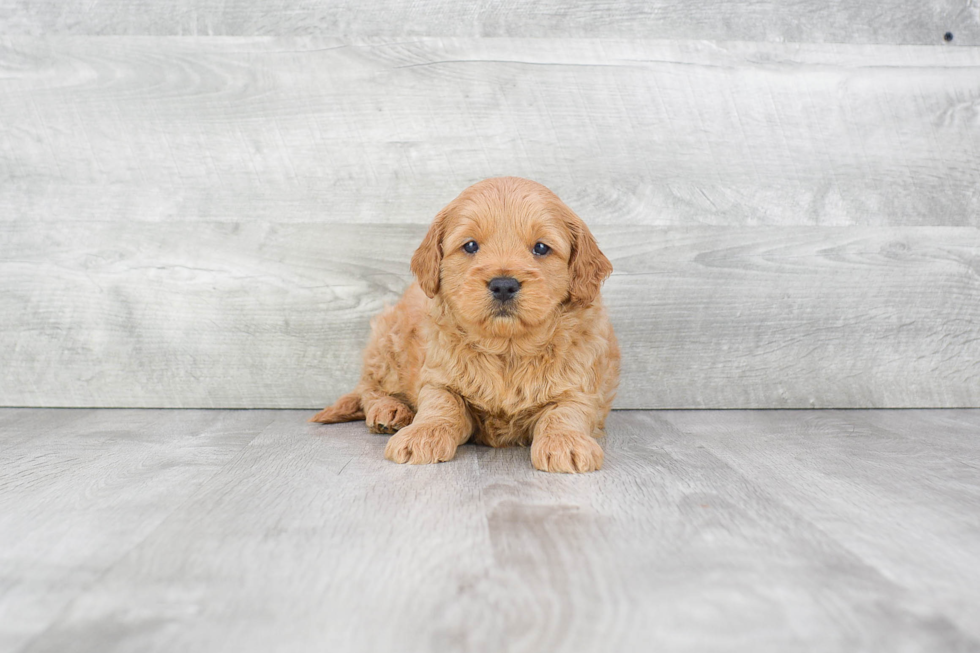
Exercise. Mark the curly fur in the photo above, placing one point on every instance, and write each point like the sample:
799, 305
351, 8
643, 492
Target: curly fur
448, 364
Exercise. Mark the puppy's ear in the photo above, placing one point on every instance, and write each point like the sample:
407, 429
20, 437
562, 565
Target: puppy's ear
588, 266
428, 257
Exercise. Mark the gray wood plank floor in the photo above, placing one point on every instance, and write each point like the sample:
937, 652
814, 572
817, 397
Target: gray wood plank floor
156, 530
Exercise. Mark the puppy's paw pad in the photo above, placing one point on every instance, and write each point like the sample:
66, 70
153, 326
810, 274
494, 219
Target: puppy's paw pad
570, 454
418, 446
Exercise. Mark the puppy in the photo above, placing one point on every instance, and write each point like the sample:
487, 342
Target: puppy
503, 340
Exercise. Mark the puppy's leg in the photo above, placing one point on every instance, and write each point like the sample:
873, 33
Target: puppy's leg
345, 409
385, 413
442, 424
563, 440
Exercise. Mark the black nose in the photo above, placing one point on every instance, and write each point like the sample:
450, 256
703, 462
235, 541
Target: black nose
504, 288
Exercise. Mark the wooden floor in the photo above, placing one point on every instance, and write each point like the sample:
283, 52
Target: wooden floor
140, 530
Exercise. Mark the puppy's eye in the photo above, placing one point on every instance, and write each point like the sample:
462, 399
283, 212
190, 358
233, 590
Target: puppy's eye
540, 249
471, 247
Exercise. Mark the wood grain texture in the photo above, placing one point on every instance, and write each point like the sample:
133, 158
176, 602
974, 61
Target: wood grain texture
627, 132
258, 315
858, 462
206, 222
79, 489
833, 21
705, 531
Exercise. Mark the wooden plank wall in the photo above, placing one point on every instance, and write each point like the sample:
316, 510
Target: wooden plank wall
202, 203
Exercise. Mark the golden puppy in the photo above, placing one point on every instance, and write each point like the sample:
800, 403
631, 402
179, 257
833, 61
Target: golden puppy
503, 340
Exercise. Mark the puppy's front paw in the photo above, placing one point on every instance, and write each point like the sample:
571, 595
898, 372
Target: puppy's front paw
565, 452
419, 444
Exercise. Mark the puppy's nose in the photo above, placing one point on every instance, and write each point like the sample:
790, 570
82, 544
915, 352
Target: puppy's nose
504, 288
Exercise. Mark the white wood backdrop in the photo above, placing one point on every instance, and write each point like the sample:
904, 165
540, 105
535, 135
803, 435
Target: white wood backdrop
821, 21
211, 220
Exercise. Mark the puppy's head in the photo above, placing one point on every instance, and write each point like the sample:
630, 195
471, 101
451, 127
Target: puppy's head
507, 254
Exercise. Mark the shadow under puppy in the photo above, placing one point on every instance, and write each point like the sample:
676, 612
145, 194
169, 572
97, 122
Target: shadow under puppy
503, 340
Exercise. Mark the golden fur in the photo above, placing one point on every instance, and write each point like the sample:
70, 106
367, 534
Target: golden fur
448, 363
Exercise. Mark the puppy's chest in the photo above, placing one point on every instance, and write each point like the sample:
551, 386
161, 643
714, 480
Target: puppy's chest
505, 396
510, 385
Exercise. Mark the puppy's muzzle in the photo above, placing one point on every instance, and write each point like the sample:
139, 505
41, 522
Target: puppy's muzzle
504, 289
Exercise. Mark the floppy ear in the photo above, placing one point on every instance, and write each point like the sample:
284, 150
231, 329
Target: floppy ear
428, 257
588, 267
